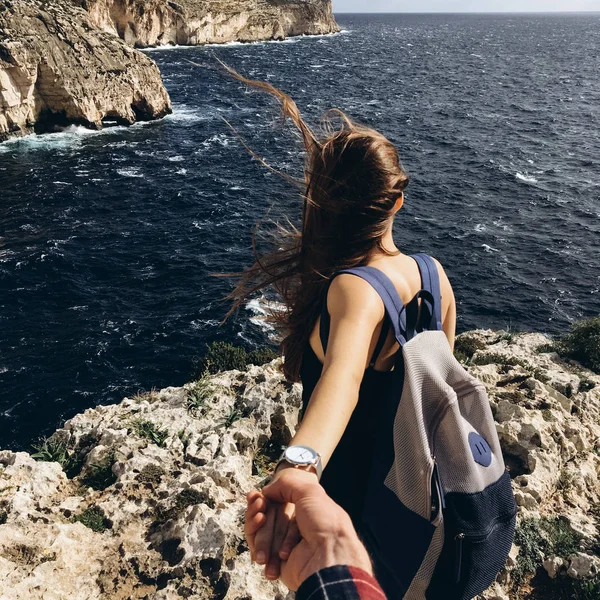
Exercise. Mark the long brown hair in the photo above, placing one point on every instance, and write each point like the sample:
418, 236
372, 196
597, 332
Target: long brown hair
352, 179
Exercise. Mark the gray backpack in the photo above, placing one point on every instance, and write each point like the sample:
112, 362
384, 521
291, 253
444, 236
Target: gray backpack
440, 512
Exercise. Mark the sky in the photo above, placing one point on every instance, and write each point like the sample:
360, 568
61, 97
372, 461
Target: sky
340, 6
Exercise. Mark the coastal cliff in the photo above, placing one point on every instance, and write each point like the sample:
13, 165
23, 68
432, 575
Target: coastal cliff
57, 69
143, 23
146, 498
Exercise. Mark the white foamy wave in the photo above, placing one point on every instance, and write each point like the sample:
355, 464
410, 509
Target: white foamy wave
261, 308
130, 172
66, 138
289, 40
525, 178
184, 114
181, 172
3, 369
204, 323
71, 137
220, 139
489, 248
480, 227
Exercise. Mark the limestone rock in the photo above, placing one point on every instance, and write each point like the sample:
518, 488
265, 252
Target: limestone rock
58, 69
553, 564
157, 510
143, 23
171, 518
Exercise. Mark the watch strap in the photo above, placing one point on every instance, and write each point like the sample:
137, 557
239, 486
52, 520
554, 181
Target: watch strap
317, 464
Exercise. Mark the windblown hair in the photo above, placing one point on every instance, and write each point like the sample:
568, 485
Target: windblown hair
352, 179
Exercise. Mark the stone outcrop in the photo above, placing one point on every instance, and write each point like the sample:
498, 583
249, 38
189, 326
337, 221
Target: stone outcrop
144, 23
58, 68
149, 500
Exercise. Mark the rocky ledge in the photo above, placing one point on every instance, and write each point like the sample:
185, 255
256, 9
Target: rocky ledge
144, 23
145, 499
57, 68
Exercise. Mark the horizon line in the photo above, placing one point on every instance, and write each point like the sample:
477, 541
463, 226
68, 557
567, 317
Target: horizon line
469, 12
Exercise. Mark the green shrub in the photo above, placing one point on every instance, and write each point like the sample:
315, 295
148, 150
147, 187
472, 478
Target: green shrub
466, 345
3, 517
223, 356
539, 538
100, 476
582, 343
584, 589
546, 348
151, 474
56, 449
261, 356
94, 518
149, 431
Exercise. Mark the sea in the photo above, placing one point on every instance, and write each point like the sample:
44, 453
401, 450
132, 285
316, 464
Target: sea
110, 240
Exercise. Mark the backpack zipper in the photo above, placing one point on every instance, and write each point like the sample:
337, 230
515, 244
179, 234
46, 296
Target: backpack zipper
458, 547
459, 539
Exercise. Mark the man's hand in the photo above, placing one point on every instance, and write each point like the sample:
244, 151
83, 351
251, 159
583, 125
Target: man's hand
328, 536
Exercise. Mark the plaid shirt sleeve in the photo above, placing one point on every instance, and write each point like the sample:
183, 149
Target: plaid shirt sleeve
340, 583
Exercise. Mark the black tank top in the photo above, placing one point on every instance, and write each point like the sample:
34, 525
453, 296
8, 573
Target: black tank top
346, 475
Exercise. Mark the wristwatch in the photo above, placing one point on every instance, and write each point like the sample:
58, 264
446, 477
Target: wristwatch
302, 456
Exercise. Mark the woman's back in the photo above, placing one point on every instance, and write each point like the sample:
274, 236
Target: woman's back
346, 475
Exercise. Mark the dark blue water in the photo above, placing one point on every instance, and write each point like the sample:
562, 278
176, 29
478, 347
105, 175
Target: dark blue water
107, 240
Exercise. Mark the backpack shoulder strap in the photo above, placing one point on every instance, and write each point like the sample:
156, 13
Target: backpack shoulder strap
394, 307
430, 282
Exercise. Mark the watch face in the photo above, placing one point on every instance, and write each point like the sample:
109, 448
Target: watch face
300, 455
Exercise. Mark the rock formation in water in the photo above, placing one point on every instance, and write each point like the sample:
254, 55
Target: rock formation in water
148, 498
58, 68
143, 23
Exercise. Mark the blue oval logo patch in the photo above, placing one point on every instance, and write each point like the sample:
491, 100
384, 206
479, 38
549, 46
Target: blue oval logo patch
482, 453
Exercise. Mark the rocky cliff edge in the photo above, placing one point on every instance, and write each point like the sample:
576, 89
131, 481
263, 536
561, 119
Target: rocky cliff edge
147, 497
143, 23
57, 68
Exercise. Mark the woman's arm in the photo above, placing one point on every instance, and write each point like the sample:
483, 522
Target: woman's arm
352, 340
448, 306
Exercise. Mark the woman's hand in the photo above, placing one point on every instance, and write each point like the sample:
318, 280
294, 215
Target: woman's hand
271, 529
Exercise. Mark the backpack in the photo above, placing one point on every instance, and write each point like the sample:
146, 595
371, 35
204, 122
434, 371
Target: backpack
440, 513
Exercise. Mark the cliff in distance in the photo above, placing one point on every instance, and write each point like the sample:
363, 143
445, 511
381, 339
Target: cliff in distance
145, 499
57, 68
143, 23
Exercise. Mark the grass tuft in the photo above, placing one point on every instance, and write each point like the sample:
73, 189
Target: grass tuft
149, 431
198, 394
94, 518
233, 416
582, 343
56, 449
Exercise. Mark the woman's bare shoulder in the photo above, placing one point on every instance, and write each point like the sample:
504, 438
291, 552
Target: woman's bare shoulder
351, 296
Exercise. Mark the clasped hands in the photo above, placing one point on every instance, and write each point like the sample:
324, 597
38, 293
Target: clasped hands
294, 529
